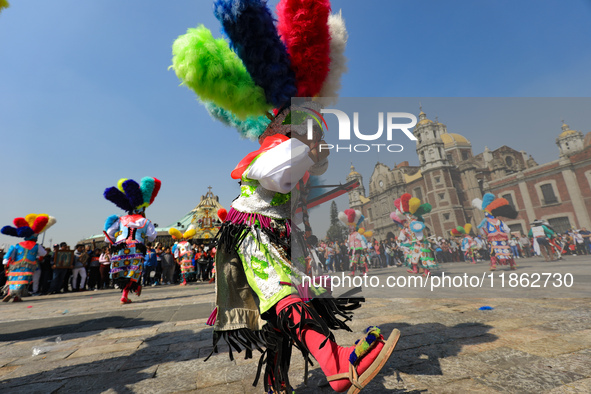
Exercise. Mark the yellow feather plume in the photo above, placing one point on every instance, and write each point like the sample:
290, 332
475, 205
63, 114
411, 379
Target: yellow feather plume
30, 218
361, 230
467, 228
368, 234
176, 234
120, 184
414, 204
190, 233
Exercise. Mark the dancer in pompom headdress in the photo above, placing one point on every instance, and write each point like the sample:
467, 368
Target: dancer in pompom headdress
183, 252
128, 234
410, 211
357, 242
468, 245
248, 83
495, 229
21, 259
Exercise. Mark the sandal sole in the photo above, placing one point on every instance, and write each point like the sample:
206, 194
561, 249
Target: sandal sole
379, 362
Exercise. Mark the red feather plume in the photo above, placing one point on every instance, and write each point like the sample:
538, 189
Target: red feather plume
404, 199
397, 204
157, 184
350, 215
497, 203
20, 222
222, 213
39, 223
303, 27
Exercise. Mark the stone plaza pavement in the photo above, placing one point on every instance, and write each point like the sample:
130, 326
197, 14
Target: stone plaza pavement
87, 342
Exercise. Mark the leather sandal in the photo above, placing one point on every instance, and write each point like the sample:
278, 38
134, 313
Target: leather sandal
364, 345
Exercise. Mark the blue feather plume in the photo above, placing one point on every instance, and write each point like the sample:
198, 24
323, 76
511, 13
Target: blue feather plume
118, 198
487, 199
147, 187
133, 193
24, 232
110, 220
250, 27
251, 128
9, 230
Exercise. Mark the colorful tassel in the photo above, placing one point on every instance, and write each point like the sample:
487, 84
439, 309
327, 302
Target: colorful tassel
9, 230
110, 221
133, 193
468, 228
157, 184
175, 233
210, 68
222, 213
303, 27
249, 25
40, 223
20, 222
147, 187
486, 200
413, 204
404, 200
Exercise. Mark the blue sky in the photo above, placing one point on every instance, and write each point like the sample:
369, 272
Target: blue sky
86, 97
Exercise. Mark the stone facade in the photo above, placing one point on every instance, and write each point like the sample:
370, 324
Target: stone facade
450, 176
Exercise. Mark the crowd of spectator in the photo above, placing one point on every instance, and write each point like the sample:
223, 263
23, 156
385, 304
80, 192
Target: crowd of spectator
91, 266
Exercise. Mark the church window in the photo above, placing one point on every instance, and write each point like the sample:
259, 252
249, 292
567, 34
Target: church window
441, 195
516, 228
548, 193
509, 198
437, 179
560, 224
509, 161
464, 155
450, 159
417, 192
370, 215
446, 216
434, 134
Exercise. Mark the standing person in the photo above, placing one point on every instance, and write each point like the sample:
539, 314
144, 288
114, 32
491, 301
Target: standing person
46, 271
59, 273
94, 267
418, 256
586, 234
468, 244
105, 267
202, 260
580, 242
21, 259
525, 245
497, 232
128, 233
168, 265
541, 234
184, 252
150, 264
79, 270
2, 273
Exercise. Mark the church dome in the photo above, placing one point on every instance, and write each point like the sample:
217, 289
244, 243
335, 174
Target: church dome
451, 140
566, 131
423, 119
353, 172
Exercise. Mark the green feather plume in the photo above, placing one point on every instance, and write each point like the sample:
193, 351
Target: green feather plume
215, 73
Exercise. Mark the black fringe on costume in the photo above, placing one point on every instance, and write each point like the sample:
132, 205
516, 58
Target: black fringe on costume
280, 334
231, 236
122, 282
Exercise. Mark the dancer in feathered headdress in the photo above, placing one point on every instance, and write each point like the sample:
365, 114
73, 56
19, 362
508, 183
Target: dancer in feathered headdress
128, 234
183, 252
21, 259
467, 244
495, 229
357, 242
248, 83
409, 211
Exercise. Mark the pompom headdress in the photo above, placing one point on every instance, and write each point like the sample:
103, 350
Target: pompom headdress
247, 81
461, 231
176, 234
351, 218
495, 206
409, 208
30, 226
132, 196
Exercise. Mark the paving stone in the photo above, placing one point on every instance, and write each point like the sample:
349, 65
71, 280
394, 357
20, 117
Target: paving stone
579, 363
461, 386
582, 386
116, 347
34, 388
549, 347
504, 358
527, 379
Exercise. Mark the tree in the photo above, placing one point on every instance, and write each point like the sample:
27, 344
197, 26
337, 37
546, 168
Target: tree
336, 231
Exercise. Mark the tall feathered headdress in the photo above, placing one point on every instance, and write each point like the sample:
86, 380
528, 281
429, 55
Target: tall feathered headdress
351, 218
29, 226
409, 208
132, 196
248, 80
459, 230
495, 206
